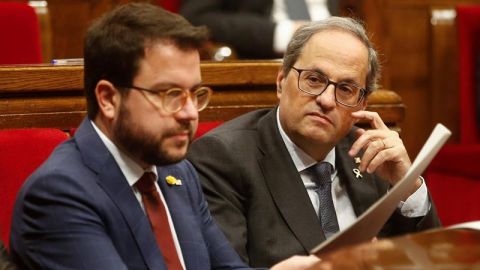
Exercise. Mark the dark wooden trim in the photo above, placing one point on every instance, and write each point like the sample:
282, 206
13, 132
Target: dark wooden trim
52, 96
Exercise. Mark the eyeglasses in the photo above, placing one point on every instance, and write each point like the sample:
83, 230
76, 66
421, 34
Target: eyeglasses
172, 100
315, 83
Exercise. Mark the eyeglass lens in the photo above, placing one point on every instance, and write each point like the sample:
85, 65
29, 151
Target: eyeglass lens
314, 83
175, 99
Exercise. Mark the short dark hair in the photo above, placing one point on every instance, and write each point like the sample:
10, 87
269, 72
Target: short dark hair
349, 25
116, 42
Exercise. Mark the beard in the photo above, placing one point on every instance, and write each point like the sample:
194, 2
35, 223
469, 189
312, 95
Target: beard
148, 148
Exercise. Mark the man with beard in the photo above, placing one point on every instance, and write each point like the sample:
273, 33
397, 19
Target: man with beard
119, 195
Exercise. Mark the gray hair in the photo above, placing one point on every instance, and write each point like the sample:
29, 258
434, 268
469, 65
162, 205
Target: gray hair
349, 25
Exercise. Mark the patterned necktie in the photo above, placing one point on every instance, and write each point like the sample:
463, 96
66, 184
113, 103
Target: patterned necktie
322, 176
157, 215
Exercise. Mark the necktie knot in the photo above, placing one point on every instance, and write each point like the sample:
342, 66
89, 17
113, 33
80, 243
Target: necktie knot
146, 183
322, 173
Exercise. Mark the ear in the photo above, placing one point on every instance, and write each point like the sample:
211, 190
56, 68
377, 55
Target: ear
108, 99
280, 82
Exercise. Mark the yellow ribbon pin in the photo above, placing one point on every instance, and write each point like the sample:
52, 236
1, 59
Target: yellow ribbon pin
171, 180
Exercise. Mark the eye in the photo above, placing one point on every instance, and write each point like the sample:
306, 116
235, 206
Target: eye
174, 92
314, 79
347, 89
201, 92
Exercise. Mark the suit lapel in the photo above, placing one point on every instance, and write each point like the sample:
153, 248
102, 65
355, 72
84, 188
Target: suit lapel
111, 179
363, 192
286, 186
180, 212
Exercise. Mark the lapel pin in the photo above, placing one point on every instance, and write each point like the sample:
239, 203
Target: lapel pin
357, 160
171, 180
357, 173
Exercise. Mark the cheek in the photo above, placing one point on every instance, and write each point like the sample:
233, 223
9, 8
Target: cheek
194, 128
346, 120
290, 98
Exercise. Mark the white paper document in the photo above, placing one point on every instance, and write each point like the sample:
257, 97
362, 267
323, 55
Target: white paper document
471, 225
371, 221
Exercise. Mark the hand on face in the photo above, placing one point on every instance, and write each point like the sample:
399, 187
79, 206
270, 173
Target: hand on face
384, 152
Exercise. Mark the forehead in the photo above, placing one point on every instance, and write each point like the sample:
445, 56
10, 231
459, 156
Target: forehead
168, 64
337, 53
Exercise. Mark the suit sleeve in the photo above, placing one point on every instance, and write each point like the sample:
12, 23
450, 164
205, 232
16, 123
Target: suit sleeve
59, 228
250, 33
223, 190
222, 255
399, 224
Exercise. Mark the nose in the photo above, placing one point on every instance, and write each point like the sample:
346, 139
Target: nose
189, 110
327, 98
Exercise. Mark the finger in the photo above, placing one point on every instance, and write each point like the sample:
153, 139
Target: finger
389, 137
359, 132
390, 142
373, 118
364, 139
380, 158
371, 151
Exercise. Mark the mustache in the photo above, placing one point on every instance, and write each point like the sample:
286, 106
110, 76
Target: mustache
181, 128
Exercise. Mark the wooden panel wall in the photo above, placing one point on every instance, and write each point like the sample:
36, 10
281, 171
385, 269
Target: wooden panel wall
416, 39
418, 44
70, 20
52, 96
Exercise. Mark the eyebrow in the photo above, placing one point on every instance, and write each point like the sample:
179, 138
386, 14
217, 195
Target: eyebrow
348, 80
165, 86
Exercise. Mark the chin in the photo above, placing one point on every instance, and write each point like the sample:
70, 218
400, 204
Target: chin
177, 154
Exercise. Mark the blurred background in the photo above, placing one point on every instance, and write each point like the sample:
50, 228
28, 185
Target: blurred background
417, 40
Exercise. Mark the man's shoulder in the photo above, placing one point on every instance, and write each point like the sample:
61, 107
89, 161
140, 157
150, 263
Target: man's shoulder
246, 123
64, 157
62, 169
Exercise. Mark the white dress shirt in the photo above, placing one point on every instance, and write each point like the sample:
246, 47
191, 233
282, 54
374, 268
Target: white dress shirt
416, 205
284, 29
133, 172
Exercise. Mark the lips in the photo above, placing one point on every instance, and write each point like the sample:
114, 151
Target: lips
181, 134
321, 117
181, 131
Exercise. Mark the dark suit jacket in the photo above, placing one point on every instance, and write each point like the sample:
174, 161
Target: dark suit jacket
77, 211
257, 196
244, 24
5, 262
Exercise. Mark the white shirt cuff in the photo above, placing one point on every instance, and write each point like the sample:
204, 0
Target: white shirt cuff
417, 204
282, 35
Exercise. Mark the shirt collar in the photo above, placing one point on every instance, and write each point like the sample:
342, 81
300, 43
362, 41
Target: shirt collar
301, 159
130, 169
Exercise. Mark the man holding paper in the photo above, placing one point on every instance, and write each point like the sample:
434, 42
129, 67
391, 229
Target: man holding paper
281, 181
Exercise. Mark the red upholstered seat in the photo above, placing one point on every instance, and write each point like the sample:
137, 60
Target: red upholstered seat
21, 152
20, 34
468, 27
170, 5
454, 176
204, 127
